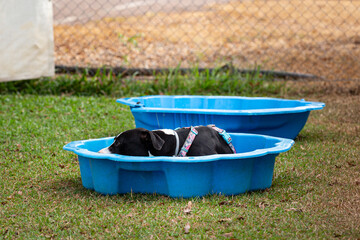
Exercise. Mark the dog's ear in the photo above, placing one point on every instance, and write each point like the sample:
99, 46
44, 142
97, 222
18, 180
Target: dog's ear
153, 139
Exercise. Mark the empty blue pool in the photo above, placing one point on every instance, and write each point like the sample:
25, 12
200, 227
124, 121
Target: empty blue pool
251, 168
269, 116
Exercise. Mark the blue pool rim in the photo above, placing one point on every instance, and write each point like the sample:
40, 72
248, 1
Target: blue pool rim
282, 146
137, 106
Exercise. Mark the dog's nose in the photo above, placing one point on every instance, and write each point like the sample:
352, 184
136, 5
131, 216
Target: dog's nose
104, 150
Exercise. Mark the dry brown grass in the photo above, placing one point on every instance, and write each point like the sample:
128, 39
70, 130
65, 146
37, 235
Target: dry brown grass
332, 142
318, 37
332, 89
342, 197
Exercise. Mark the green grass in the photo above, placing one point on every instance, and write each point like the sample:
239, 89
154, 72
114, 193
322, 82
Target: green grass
207, 82
314, 193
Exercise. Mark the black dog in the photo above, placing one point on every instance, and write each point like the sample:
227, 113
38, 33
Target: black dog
165, 142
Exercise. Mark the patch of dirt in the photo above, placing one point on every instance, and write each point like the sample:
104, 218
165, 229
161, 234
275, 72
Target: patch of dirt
309, 36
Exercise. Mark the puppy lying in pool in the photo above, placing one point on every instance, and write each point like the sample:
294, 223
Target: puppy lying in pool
192, 141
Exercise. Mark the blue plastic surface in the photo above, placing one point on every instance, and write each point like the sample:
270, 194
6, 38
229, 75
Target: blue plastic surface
268, 116
251, 168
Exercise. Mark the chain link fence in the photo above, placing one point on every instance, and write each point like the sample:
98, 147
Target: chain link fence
300, 36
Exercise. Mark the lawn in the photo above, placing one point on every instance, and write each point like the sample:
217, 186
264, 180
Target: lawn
315, 191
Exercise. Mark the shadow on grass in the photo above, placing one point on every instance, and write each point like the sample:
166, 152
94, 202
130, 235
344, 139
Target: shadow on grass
316, 134
311, 136
73, 188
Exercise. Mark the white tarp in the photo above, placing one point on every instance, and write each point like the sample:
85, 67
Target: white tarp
26, 39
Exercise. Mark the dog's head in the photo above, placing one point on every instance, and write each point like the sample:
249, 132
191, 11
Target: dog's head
135, 142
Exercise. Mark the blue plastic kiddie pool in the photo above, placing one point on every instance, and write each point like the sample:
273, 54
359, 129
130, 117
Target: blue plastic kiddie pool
268, 116
251, 168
